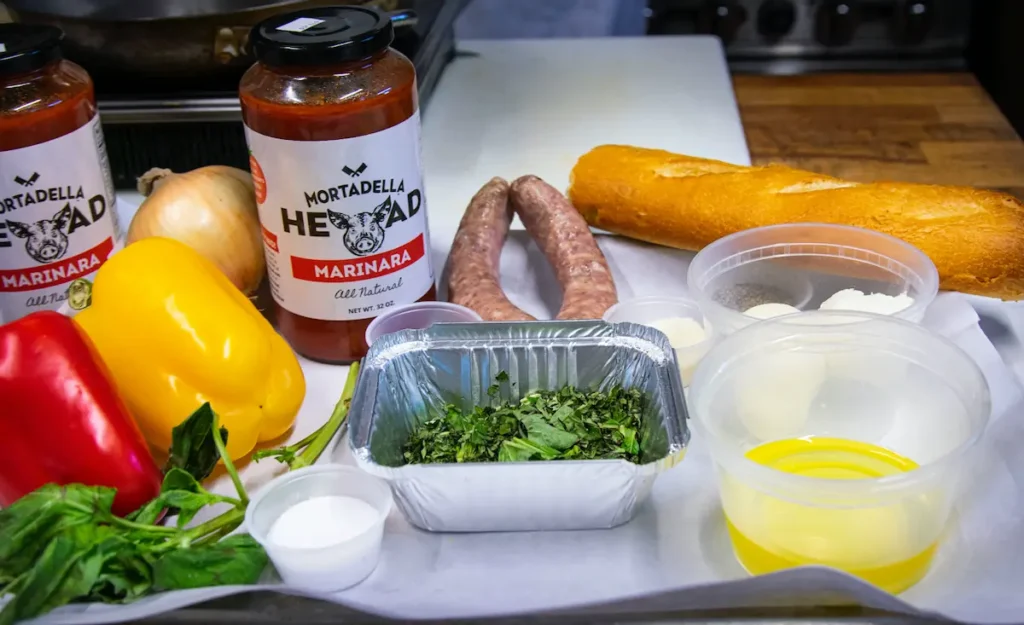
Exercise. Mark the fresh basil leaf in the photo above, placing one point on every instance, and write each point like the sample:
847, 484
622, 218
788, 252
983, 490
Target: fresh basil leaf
237, 559
150, 513
181, 493
127, 576
29, 524
76, 501
186, 503
179, 479
66, 570
192, 446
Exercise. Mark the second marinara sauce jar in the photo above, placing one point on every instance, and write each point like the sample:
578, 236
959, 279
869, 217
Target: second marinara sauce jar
58, 221
332, 122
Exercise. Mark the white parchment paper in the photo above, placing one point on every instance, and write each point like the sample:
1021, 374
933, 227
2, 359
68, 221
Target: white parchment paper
675, 554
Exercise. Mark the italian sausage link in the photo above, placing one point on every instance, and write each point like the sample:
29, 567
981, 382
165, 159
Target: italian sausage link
475, 259
564, 237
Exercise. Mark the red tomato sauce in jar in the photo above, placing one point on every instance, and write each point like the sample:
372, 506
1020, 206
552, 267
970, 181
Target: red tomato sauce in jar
58, 221
332, 123
65, 104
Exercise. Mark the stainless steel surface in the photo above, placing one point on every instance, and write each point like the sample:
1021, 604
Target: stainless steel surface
794, 36
170, 110
409, 376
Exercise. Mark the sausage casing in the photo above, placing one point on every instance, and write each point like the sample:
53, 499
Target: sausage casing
475, 258
565, 238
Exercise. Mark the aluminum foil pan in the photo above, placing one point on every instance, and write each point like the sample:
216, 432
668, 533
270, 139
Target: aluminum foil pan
411, 374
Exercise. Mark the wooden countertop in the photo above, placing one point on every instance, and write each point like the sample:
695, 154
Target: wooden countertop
929, 128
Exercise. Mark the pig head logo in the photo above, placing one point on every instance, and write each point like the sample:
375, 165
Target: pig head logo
364, 232
45, 240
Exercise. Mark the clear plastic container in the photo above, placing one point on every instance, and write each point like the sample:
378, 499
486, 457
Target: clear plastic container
419, 316
649, 311
332, 567
803, 265
823, 461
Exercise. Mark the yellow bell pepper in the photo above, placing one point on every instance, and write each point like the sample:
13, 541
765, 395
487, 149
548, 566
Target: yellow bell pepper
175, 333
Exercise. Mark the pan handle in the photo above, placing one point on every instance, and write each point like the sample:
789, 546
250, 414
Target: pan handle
230, 43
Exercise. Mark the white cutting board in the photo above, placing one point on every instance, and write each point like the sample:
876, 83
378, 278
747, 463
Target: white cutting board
514, 107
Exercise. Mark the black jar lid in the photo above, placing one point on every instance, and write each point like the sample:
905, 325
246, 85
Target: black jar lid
322, 36
27, 47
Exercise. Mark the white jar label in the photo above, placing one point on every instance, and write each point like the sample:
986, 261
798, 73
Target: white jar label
58, 221
344, 221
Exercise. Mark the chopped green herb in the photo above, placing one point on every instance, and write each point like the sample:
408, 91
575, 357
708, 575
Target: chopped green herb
566, 424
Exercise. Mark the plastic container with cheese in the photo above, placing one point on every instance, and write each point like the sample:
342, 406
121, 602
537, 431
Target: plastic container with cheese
803, 266
678, 318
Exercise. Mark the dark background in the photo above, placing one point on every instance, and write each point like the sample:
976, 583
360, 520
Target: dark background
996, 54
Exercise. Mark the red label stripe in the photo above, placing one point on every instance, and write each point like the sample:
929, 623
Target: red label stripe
59, 272
358, 269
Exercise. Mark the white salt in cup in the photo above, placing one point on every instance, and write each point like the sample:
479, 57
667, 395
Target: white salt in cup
329, 568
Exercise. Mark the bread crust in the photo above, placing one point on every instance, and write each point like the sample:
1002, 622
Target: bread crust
975, 237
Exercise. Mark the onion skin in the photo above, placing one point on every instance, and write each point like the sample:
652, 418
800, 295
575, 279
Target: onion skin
212, 210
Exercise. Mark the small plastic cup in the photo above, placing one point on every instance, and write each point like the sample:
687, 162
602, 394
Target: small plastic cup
822, 462
418, 316
328, 568
648, 310
803, 264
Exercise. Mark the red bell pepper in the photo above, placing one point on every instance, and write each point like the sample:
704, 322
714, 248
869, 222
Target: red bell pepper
62, 420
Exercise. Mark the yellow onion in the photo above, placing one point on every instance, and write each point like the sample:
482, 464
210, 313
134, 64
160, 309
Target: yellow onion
211, 209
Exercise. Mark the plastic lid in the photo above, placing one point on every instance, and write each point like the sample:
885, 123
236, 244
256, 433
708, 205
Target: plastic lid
322, 36
27, 47
417, 316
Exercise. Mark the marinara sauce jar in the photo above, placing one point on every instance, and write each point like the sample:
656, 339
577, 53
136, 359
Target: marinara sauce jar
57, 216
333, 127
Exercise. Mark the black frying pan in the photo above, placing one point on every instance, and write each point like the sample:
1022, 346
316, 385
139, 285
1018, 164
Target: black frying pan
176, 39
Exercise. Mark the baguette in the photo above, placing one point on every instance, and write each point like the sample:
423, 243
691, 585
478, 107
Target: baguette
974, 237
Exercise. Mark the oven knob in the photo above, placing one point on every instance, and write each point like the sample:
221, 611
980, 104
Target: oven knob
775, 18
837, 21
722, 18
913, 21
